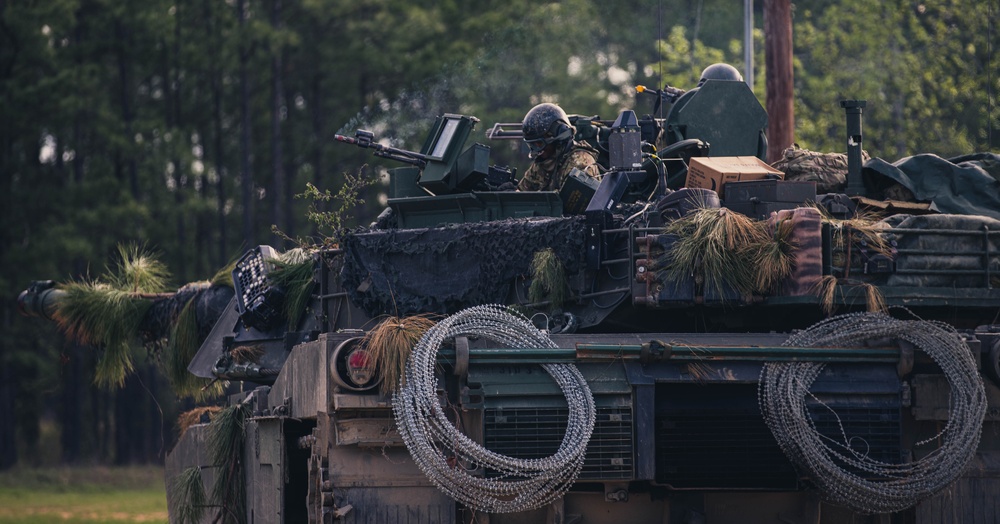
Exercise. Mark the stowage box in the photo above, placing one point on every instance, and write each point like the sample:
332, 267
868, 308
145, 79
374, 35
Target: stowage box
759, 198
716, 172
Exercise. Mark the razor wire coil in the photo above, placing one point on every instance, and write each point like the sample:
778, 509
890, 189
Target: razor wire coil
850, 478
453, 461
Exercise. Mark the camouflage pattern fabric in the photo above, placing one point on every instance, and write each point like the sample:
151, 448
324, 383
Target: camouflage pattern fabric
828, 170
549, 174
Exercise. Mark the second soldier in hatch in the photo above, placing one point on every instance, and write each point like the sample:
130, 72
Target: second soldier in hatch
549, 136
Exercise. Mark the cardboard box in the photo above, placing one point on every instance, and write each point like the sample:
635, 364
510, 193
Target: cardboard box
713, 172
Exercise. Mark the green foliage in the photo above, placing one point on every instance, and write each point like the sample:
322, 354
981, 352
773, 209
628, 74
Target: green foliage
225, 445
96, 313
293, 272
181, 348
548, 280
189, 489
107, 314
224, 276
139, 272
922, 68
82, 495
332, 225
716, 247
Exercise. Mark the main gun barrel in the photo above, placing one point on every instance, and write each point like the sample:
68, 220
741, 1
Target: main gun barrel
40, 299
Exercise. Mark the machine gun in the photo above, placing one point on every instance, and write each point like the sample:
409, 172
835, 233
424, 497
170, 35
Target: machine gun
441, 166
366, 139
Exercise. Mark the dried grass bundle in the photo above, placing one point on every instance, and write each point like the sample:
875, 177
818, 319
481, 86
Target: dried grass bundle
699, 371
826, 290
718, 246
775, 260
866, 227
389, 344
874, 301
247, 354
190, 418
548, 280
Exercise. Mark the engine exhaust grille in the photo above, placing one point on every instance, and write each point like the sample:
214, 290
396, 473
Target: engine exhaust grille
870, 431
719, 448
714, 437
524, 432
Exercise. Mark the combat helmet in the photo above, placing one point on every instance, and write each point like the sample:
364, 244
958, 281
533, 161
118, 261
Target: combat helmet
719, 71
546, 124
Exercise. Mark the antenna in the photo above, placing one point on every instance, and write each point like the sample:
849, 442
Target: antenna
659, 37
748, 42
989, 76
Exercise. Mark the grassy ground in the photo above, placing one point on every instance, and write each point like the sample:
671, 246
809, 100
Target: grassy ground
83, 495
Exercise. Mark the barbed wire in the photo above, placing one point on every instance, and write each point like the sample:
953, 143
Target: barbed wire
453, 461
845, 476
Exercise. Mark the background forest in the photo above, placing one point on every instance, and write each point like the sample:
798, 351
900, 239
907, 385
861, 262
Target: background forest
189, 127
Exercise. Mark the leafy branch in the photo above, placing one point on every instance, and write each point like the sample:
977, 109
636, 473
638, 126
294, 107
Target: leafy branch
331, 225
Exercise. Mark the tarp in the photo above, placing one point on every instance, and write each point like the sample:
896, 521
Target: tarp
944, 250
965, 185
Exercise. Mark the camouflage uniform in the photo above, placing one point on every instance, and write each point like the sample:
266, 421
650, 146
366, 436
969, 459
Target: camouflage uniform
549, 174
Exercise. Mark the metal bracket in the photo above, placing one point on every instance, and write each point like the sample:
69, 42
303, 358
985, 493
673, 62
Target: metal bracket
461, 356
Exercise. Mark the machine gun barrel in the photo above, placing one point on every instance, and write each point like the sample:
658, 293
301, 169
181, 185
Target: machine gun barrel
366, 139
505, 131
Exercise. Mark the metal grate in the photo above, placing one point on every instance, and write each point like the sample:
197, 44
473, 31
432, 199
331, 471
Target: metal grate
714, 436
874, 432
717, 448
537, 433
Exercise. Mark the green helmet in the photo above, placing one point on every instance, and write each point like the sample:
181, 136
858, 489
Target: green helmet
546, 124
720, 71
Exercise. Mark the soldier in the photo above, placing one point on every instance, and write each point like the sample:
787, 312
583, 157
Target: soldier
549, 136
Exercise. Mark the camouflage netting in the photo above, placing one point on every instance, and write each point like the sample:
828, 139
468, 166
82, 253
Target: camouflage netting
443, 270
941, 255
209, 303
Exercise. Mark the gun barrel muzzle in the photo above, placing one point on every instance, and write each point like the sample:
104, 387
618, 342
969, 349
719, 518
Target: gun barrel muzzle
40, 299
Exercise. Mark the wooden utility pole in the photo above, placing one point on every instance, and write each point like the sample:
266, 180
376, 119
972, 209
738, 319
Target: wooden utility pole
779, 86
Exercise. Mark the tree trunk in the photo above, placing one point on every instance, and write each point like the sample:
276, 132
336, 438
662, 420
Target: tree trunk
123, 39
278, 183
246, 165
174, 121
779, 83
72, 404
8, 436
212, 36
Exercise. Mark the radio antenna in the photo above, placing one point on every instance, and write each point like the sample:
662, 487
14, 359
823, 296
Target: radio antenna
989, 76
659, 38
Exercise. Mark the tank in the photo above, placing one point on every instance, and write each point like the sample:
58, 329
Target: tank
696, 341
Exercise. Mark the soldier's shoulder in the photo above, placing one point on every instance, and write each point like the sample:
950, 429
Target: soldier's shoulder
583, 155
585, 147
